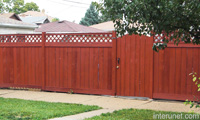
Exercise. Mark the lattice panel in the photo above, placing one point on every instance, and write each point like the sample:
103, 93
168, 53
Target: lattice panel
158, 38
80, 38
20, 38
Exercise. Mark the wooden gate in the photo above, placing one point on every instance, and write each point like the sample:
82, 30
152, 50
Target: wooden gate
135, 61
80, 62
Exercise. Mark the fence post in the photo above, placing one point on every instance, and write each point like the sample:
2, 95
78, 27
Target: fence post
43, 61
114, 60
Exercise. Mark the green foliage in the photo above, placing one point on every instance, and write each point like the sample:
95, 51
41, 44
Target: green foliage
196, 80
16, 109
31, 7
55, 19
70, 91
91, 16
17, 6
180, 17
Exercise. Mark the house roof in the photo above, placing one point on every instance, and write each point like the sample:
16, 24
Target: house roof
35, 14
11, 15
8, 22
106, 26
34, 20
65, 26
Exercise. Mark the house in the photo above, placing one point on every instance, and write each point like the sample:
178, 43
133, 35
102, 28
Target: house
105, 26
12, 16
12, 26
65, 26
36, 14
35, 20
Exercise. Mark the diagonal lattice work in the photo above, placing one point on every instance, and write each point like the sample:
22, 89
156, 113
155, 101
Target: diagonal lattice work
80, 38
21, 38
158, 38
58, 38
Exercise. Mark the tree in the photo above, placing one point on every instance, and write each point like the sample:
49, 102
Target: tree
17, 6
31, 7
178, 17
91, 16
104, 18
55, 19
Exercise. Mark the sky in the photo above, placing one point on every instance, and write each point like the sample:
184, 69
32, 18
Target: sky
70, 10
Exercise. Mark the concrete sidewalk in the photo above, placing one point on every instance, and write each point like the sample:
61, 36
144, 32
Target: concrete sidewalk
108, 103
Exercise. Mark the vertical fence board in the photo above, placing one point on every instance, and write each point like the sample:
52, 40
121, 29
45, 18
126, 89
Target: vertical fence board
61, 66
101, 68
96, 67
195, 69
1, 66
172, 70
22, 65
65, 68
132, 65
118, 83
123, 65
87, 68
82, 67
91, 72
189, 70
57, 68
183, 70
166, 71
142, 67
105, 69
127, 66
26, 68
178, 71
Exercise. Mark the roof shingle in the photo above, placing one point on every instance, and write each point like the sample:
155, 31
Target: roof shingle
65, 26
5, 20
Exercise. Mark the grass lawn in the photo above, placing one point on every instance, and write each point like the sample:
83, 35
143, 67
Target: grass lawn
16, 109
141, 114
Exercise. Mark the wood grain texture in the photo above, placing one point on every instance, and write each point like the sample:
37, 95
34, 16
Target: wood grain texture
135, 73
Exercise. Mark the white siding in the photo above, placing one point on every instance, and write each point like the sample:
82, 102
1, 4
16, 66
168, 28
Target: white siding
9, 30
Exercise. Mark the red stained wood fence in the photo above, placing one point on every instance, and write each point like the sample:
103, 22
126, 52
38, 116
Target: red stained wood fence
82, 63
162, 75
172, 67
98, 63
135, 61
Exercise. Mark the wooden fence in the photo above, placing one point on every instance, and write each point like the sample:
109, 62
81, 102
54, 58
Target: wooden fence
162, 75
98, 63
135, 61
82, 63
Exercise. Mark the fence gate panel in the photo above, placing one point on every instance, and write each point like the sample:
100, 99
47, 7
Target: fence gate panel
81, 63
20, 60
135, 66
78, 62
